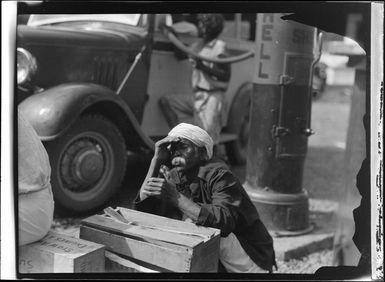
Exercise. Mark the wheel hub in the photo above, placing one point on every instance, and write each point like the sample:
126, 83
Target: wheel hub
88, 166
82, 165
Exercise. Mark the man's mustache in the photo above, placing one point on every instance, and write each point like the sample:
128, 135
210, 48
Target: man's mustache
177, 161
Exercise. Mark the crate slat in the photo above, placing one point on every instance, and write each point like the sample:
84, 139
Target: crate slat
167, 223
107, 223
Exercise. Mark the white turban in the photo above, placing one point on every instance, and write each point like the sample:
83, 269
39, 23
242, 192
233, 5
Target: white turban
195, 134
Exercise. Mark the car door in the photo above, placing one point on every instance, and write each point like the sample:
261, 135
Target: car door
168, 75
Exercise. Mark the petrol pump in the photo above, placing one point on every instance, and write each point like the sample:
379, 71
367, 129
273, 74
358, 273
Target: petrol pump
285, 54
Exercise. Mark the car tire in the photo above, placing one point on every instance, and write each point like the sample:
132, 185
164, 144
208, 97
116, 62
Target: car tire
88, 164
239, 124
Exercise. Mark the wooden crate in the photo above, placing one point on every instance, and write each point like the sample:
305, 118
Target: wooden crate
118, 263
57, 253
158, 243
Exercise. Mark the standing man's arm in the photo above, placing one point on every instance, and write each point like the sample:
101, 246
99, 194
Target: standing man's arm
220, 71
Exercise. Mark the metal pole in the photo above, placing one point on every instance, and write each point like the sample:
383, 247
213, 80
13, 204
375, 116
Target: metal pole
284, 57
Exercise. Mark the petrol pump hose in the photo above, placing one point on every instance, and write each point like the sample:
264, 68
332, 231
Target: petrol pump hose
188, 51
179, 44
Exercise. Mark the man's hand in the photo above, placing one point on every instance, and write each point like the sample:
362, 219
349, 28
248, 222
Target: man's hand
193, 62
162, 154
165, 188
196, 63
166, 29
201, 65
161, 188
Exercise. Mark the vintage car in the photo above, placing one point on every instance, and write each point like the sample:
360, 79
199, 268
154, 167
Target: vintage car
90, 85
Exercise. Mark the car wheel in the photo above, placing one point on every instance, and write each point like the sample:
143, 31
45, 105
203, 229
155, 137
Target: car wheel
88, 164
239, 124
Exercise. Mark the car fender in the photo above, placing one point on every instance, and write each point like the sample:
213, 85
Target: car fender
52, 111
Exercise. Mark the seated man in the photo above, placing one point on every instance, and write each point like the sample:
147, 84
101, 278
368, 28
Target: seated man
184, 182
36, 205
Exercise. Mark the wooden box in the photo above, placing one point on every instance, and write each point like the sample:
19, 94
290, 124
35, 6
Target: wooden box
57, 253
117, 263
154, 242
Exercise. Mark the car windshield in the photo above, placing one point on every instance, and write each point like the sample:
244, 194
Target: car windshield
37, 20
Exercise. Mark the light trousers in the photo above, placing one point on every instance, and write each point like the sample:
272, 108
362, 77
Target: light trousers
234, 258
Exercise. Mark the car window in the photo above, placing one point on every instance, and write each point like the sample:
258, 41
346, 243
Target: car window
37, 20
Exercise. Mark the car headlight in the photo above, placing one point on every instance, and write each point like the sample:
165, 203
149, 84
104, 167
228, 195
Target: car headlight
26, 65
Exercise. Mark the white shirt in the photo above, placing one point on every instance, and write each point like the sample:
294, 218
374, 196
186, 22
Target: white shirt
212, 50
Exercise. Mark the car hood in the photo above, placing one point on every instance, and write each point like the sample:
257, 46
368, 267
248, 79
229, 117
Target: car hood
82, 36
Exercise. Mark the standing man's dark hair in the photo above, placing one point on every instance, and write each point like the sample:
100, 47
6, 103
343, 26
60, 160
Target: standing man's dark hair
211, 25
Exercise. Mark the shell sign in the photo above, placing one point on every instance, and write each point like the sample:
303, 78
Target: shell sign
279, 45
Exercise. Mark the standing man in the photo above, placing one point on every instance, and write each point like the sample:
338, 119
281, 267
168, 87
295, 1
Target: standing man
183, 182
207, 105
36, 204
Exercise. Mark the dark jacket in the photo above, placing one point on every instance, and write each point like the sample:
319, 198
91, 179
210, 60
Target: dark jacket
225, 205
